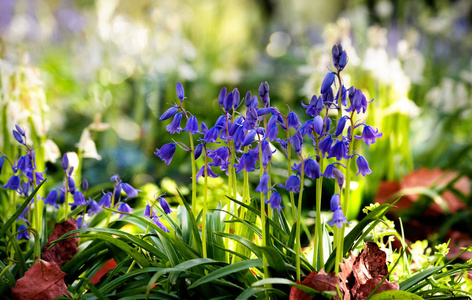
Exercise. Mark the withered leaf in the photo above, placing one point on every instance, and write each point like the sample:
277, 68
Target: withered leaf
367, 288
43, 281
63, 251
320, 282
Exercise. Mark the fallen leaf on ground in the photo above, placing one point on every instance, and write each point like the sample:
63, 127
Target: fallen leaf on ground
63, 251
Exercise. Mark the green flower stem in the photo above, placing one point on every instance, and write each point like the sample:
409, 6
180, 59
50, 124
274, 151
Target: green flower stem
318, 239
263, 218
37, 212
347, 188
205, 200
299, 246
228, 200
289, 165
194, 172
111, 206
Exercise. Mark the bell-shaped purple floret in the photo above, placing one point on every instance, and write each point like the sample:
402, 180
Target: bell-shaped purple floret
124, 207
369, 135
65, 162
105, 201
22, 235
51, 199
341, 125
318, 125
78, 199
338, 218
174, 126
192, 125
292, 184
94, 208
130, 191
210, 173
363, 166
327, 82
166, 153
158, 222
263, 183
292, 120
179, 88
13, 183
169, 113
249, 138
164, 205
339, 150
312, 169
275, 200
18, 137
335, 201
198, 151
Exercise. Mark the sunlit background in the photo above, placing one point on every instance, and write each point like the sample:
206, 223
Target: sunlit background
93, 77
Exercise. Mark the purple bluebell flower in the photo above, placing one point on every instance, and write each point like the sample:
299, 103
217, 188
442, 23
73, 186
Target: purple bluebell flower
115, 177
369, 135
71, 184
292, 184
201, 173
264, 111
22, 164
78, 199
341, 125
203, 128
334, 203
22, 235
247, 99
235, 125
179, 88
318, 124
329, 171
251, 118
124, 207
80, 223
148, 211
266, 152
338, 219
166, 153
22, 216
169, 113
13, 183
62, 195
249, 138
272, 133
94, 208
221, 122
312, 169
198, 151
236, 98
339, 150
275, 200
222, 97
71, 170
264, 93
325, 145
238, 137
18, 137
263, 184
228, 102
158, 222
2, 161
248, 161
292, 120
358, 101
343, 96
192, 125
283, 144
211, 135
165, 206
174, 126
65, 162
130, 191
328, 98
117, 191
20, 130
363, 166
314, 107
85, 185
106, 200
297, 141
327, 82
51, 199
339, 57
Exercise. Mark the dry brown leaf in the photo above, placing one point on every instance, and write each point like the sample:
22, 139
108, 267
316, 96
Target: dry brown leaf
63, 251
43, 281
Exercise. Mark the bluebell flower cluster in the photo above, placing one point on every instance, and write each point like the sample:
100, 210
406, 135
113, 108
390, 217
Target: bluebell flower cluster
254, 133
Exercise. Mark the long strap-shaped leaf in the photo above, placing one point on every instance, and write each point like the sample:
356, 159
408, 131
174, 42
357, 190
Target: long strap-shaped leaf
12, 219
243, 265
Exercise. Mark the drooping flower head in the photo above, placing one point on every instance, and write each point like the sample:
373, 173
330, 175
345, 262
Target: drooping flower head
23, 235
369, 135
275, 201
166, 153
263, 183
124, 207
174, 126
363, 166
51, 199
179, 88
130, 191
292, 184
164, 205
158, 222
169, 113
334, 204
338, 218
327, 82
